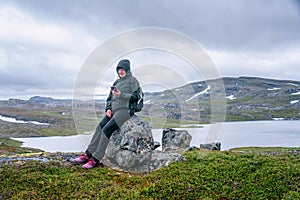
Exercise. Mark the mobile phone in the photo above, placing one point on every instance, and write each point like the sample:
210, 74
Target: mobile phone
113, 88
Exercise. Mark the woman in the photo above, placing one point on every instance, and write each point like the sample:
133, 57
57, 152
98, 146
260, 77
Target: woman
117, 110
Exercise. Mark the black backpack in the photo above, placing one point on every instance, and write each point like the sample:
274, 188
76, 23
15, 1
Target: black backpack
140, 101
137, 105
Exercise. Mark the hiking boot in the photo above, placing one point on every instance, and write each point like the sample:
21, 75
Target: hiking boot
90, 164
81, 159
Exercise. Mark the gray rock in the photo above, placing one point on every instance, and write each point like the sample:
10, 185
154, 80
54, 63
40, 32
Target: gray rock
175, 139
211, 146
162, 159
131, 148
155, 145
3, 144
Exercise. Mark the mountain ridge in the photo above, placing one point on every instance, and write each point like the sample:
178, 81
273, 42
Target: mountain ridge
246, 98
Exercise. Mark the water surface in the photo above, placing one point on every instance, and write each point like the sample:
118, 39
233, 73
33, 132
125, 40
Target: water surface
14, 120
234, 134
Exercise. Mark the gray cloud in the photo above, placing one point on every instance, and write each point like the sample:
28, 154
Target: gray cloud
44, 43
234, 24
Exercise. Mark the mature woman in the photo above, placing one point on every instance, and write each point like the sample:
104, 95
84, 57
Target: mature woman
123, 91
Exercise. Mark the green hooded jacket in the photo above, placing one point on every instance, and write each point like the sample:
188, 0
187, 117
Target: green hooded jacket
128, 86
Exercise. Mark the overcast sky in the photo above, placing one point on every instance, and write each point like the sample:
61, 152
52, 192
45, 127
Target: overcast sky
43, 44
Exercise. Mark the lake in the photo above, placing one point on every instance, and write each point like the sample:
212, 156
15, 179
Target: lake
234, 134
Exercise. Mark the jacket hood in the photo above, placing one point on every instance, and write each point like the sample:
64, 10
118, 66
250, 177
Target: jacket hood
124, 64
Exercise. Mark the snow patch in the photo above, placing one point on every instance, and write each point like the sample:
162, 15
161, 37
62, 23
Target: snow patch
296, 93
231, 97
294, 101
147, 102
14, 120
191, 125
278, 118
293, 84
271, 89
206, 91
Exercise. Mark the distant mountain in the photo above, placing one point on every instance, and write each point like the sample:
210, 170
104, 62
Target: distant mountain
39, 99
248, 98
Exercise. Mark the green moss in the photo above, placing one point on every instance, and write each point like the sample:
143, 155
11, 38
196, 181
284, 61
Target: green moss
203, 175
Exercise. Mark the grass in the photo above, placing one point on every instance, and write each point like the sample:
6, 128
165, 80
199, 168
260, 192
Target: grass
10, 142
167, 123
12, 147
202, 175
243, 173
265, 149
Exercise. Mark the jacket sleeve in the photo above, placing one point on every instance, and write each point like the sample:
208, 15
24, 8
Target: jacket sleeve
108, 101
109, 98
134, 85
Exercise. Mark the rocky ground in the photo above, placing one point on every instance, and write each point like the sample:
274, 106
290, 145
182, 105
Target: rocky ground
65, 159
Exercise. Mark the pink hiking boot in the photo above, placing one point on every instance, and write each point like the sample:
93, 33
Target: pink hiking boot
81, 159
90, 164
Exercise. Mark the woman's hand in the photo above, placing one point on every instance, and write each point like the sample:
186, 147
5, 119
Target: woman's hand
116, 93
108, 113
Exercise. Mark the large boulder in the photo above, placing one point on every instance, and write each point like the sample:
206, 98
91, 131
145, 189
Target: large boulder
131, 148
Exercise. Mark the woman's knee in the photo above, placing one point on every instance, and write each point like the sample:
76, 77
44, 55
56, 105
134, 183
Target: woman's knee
104, 121
109, 128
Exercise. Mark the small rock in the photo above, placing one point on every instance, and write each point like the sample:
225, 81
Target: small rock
175, 139
155, 145
211, 146
193, 148
3, 144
